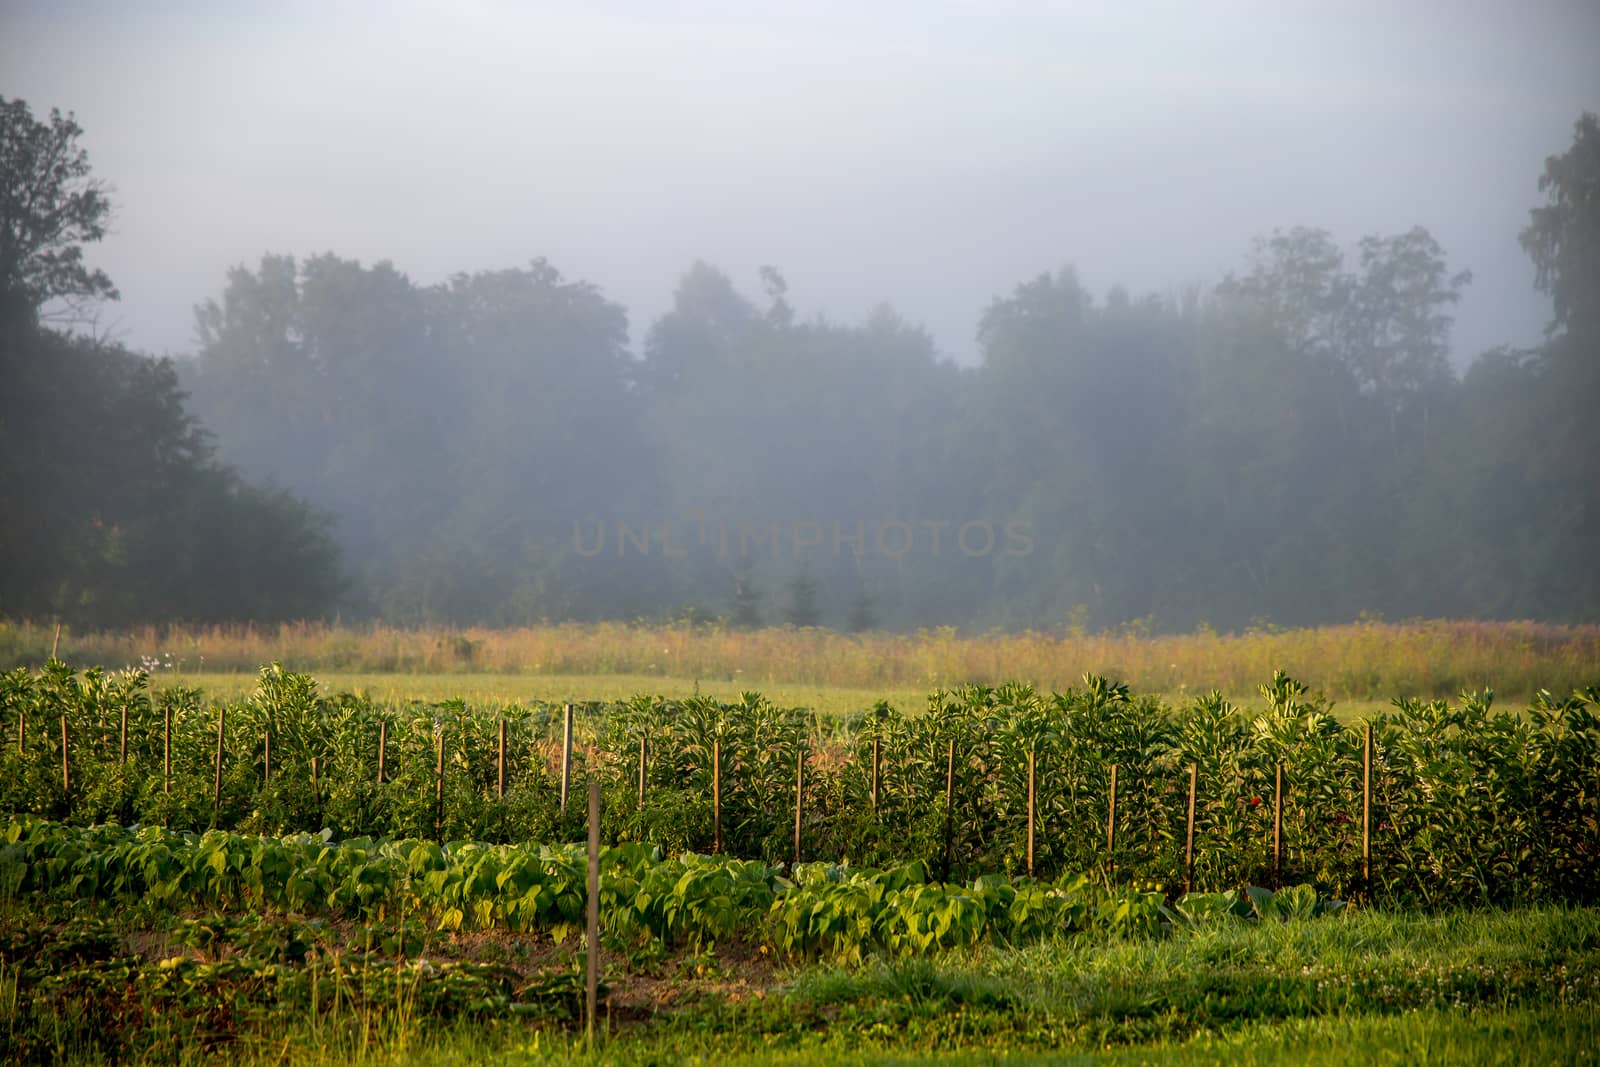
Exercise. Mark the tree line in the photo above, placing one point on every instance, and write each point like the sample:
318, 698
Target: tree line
1289, 444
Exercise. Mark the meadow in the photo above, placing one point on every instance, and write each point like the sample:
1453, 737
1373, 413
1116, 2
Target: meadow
1365, 661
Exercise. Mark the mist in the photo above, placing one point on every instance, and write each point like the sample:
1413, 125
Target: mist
973, 315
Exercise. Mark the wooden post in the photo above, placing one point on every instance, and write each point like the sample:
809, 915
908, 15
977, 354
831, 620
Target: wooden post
166, 751
1277, 830
876, 758
566, 758
438, 792
1188, 847
1111, 822
266, 757
1366, 813
949, 808
591, 990
1032, 762
56, 644
500, 782
66, 777
644, 744
383, 745
799, 798
716, 798
216, 789
22, 731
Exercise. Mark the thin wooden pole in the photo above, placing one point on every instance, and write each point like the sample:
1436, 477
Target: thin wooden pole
438, 792
716, 797
644, 752
500, 782
216, 789
316, 783
799, 798
66, 776
383, 746
1111, 822
566, 757
877, 744
1032, 763
1277, 830
166, 751
591, 992
949, 807
55, 645
1366, 812
1188, 847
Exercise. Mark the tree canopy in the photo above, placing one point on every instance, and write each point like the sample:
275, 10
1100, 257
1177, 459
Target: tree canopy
50, 207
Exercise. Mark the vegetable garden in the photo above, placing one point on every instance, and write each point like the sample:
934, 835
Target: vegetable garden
309, 853
1431, 803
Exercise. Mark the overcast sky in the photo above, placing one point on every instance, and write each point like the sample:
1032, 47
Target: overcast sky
926, 153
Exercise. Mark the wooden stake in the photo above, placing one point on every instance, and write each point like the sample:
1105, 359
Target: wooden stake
644, 744
799, 799
56, 644
66, 777
216, 789
1111, 821
876, 764
500, 783
566, 758
316, 785
438, 793
716, 798
1032, 760
383, 746
166, 751
1277, 830
591, 992
949, 808
1188, 847
1366, 812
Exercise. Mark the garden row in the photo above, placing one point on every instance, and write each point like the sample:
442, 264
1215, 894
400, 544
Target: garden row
647, 904
1431, 802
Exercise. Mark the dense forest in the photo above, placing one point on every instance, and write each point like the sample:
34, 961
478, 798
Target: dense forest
1290, 444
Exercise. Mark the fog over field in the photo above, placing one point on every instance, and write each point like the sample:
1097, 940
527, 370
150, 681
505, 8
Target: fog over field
889, 315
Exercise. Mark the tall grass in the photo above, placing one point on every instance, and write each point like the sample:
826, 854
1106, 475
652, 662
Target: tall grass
1359, 661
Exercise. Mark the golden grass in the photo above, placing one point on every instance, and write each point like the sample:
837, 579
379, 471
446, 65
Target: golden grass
497, 689
1366, 661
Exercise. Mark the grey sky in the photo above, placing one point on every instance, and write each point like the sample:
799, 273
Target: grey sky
928, 154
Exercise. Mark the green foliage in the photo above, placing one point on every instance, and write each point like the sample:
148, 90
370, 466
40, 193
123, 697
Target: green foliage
695, 901
1468, 803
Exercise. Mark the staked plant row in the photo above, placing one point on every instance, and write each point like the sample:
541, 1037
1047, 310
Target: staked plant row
1431, 803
